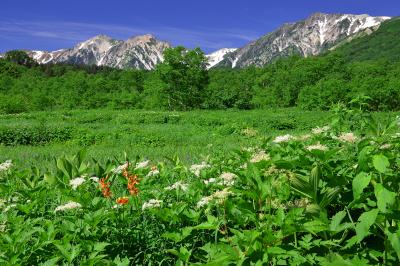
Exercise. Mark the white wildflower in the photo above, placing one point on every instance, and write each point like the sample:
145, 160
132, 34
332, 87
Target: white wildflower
228, 179
317, 146
303, 137
119, 169
204, 201
143, 164
3, 226
196, 168
347, 137
220, 196
68, 206
320, 130
210, 181
153, 172
15, 199
94, 179
7, 208
284, 138
76, 182
153, 203
385, 146
260, 156
6, 166
178, 185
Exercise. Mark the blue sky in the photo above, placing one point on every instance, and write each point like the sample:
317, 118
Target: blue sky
56, 24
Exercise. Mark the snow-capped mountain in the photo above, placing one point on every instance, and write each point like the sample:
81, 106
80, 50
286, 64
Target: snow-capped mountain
140, 52
309, 37
219, 55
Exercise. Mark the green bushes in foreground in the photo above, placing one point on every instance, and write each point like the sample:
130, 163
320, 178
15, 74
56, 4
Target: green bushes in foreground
328, 197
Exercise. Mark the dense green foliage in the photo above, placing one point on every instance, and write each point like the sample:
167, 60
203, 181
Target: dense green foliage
327, 197
183, 76
311, 83
32, 138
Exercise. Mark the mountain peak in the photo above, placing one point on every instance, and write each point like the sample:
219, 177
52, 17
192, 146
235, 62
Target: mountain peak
142, 38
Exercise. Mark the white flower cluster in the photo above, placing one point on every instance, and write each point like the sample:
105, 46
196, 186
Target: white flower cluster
320, 130
119, 169
385, 146
143, 164
76, 182
220, 196
284, 138
303, 137
3, 226
94, 179
178, 185
225, 179
228, 179
6, 205
260, 156
153, 172
153, 203
68, 206
6, 166
347, 137
317, 146
196, 168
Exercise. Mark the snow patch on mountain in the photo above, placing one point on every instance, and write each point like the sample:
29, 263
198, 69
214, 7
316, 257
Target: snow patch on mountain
217, 56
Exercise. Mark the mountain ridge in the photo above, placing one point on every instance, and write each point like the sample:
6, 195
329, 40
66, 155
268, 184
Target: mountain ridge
311, 36
314, 35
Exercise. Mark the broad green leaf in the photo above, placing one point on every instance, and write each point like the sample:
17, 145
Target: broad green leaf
336, 220
50, 179
315, 226
363, 158
394, 239
211, 224
360, 182
381, 163
384, 197
365, 221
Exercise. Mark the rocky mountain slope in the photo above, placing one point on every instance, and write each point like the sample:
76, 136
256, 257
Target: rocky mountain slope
312, 36
140, 52
219, 55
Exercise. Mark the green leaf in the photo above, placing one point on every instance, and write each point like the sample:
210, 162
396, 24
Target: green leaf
211, 224
51, 262
314, 181
360, 182
365, 221
315, 226
50, 179
363, 158
381, 163
384, 197
336, 220
394, 239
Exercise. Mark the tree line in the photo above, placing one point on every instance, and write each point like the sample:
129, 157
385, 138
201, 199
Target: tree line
182, 82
